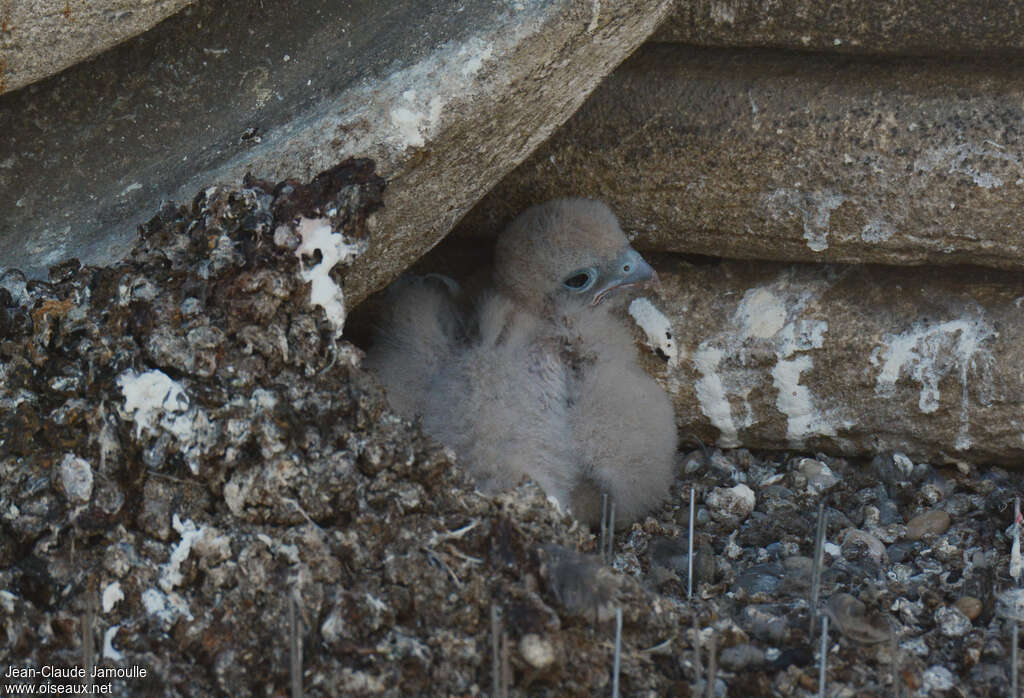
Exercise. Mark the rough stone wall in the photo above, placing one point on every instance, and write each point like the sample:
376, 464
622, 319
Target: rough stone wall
900, 27
776, 155
445, 98
40, 38
892, 137
857, 359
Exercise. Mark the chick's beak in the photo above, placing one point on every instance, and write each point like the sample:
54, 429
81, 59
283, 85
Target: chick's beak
627, 270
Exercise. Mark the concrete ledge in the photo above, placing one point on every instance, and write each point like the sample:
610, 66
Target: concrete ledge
785, 156
445, 99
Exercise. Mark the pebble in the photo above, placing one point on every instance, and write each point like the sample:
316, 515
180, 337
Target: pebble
915, 645
731, 504
931, 522
721, 690
760, 579
935, 488
859, 544
764, 624
799, 567
693, 462
741, 657
904, 466
937, 678
888, 513
670, 553
952, 622
969, 606
854, 621
537, 651
704, 564
76, 478
723, 468
904, 550
819, 476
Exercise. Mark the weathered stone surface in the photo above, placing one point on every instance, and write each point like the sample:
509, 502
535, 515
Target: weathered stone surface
445, 99
790, 157
40, 37
847, 359
932, 522
904, 26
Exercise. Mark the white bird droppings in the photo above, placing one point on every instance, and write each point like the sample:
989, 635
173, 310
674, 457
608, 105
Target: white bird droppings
657, 328
714, 402
927, 353
316, 236
151, 398
111, 595
761, 313
108, 644
190, 533
770, 318
165, 607
795, 401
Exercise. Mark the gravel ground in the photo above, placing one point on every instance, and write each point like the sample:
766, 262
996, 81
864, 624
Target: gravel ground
201, 493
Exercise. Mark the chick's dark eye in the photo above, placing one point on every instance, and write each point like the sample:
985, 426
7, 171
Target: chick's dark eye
579, 280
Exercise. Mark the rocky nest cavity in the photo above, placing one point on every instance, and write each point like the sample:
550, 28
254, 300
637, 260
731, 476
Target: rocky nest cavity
199, 483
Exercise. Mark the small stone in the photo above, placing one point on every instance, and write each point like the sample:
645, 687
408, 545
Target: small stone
732, 504
931, 522
741, 657
76, 478
937, 678
764, 623
859, 544
853, 619
1010, 604
704, 564
798, 567
904, 465
904, 550
693, 462
537, 651
154, 518
935, 486
969, 606
760, 579
952, 622
581, 583
669, 553
819, 476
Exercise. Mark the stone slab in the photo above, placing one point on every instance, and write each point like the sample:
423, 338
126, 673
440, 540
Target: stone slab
913, 27
41, 37
845, 359
445, 98
788, 156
